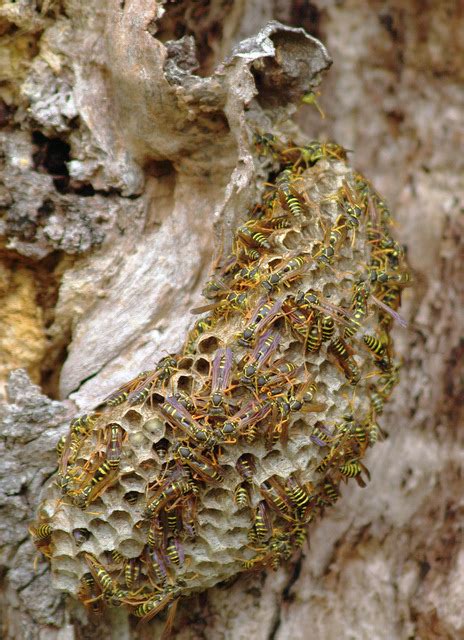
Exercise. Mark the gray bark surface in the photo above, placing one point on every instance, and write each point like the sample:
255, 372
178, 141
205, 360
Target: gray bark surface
105, 250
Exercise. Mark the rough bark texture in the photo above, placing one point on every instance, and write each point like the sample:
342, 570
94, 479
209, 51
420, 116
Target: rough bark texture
120, 160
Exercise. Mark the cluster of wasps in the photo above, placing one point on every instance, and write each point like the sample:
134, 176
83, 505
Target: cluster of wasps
301, 311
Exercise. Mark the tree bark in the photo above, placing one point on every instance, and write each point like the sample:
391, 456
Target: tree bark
126, 164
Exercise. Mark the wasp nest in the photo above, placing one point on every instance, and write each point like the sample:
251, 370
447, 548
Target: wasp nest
215, 461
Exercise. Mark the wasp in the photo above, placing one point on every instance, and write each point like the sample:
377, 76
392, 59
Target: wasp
374, 433
357, 431
250, 414
353, 469
41, 533
41, 536
60, 445
117, 558
266, 144
174, 521
391, 312
110, 590
276, 498
382, 208
310, 301
242, 495
156, 532
182, 419
277, 549
351, 208
222, 370
289, 198
391, 298
347, 363
224, 434
186, 401
314, 339
204, 467
233, 300
376, 401
72, 447
326, 255
132, 570
174, 552
250, 274
298, 496
393, 251
363, 189
262, 522
277, 222
102, 477
282, 371
321, 436
246, 466
310, 98
200, 327
388, 380
120, 395
298, 321
292, 402
214, 287
303, 399
374, 344
359, 306
156, 563
289, 270
70, 479
330, 491
381, 277
189, 516
89, 593
264, 314
266, 346
315, 151
252, 233
327, 327
114, 447
81, 426
249, 253
347, 447
154, 605
280, 549
172, 489
163, 371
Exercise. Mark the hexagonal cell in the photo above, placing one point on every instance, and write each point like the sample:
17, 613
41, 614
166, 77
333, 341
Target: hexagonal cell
131, 548
185, 363
161, 448
80, 536
202, 365
154, 429
133, 497
216, 498
120, 521
208, 344
132, 481
132, 419
102, 530
185, 383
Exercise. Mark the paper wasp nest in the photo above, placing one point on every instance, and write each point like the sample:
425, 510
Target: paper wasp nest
215, 461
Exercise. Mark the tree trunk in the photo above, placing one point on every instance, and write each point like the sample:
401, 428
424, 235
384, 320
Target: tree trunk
126, 163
